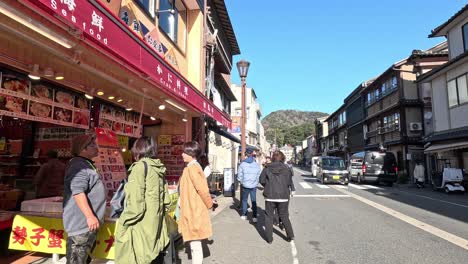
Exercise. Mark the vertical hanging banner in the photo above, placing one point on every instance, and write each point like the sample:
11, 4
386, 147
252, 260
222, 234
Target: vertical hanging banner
101, 26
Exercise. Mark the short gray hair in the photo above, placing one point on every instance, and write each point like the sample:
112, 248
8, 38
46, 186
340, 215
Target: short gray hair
144, 147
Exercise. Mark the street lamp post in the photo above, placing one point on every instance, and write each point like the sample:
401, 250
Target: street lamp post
243, 68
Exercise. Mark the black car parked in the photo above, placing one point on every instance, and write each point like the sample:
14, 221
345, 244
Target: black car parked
377, 167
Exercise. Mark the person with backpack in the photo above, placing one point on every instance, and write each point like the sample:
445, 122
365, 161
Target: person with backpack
141, 232
277, 181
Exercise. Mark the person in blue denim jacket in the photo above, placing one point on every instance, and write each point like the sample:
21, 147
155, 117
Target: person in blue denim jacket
248, 176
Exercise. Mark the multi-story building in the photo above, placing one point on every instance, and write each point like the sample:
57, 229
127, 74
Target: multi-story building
220, 47
310, 148
445, 93
337, 133
288, 152
393, 108
354, 107
321, 134
253, 125
131, 67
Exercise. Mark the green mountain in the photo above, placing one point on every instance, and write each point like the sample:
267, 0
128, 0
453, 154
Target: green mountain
290, 126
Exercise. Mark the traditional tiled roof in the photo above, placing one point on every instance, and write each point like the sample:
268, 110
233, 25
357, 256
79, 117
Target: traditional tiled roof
435, 31
448, 135
442, 67
440, 50
223, 15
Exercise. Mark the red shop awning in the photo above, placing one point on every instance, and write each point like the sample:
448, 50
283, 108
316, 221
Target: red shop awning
100, 26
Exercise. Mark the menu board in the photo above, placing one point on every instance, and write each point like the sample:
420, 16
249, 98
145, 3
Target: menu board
109, 163
170, 149
121, 122
42, 102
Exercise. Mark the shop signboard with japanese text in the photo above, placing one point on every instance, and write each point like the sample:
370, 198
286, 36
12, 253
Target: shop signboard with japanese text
42, 102
111, 33
47, 235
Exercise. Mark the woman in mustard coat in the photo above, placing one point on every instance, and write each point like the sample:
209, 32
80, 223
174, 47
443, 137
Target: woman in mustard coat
195, 200
141, 229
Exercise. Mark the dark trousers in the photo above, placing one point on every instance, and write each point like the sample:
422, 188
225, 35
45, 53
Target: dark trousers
283, 213
79, 248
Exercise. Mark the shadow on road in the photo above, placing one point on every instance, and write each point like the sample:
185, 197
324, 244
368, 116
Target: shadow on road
454, 206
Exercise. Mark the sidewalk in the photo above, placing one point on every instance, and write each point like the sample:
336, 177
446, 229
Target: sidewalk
36, 258
238, 241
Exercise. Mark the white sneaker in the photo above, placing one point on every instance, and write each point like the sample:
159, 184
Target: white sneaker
244, 217
254, 220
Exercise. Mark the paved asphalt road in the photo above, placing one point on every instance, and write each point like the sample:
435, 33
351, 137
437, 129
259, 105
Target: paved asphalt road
350, 224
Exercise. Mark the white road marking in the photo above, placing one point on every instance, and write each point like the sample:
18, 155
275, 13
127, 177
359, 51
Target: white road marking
433, 199
373, 187
321, 195
294, 252
341, 186
321, 186
305, 185
456, 240
357, 186
302, 171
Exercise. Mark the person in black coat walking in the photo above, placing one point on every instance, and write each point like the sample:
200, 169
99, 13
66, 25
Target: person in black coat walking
277, 181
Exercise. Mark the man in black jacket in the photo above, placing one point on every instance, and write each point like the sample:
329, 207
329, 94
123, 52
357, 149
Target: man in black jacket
278, 184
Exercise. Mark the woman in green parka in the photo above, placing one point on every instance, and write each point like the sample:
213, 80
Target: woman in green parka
141, 229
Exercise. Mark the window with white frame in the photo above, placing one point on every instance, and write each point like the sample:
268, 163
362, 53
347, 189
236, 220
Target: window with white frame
452, 93
174, 24
457, 90
147, 5
462, 89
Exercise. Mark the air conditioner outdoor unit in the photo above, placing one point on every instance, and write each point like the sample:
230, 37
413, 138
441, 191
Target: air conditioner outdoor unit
416, 126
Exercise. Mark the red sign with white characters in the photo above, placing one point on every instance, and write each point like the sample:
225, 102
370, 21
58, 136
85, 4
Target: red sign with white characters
101, 26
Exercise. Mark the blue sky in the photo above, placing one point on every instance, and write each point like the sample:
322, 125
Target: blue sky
309, 55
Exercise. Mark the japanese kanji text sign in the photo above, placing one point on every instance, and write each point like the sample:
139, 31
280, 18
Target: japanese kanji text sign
107, 30
43, 234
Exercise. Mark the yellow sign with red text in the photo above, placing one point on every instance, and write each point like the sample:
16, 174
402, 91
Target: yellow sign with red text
47, 235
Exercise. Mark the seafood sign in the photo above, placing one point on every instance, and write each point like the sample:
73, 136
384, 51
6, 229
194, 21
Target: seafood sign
41, 102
